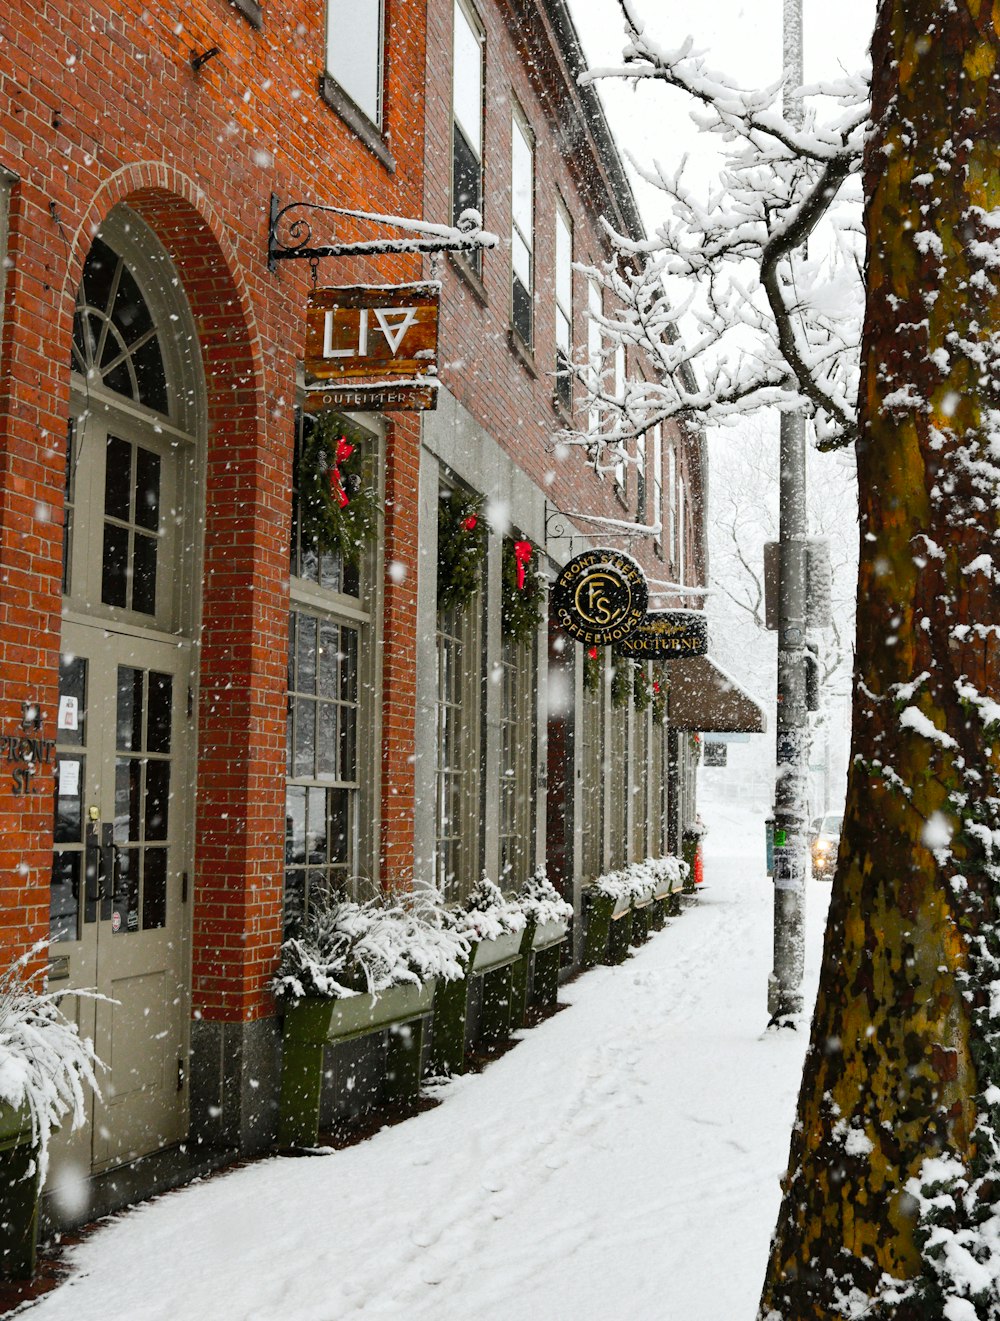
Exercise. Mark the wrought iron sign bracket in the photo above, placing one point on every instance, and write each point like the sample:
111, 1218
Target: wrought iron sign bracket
557, 526
417, 235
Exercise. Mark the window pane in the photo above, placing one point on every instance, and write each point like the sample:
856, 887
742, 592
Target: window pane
129, 709
64, 896
521, 259
117, 479
147, 490
466, 182
522, 311
468, 81
154, 888
113, 581
521, 190
161, 688
564, 264
354, 51
157, 799
144, 574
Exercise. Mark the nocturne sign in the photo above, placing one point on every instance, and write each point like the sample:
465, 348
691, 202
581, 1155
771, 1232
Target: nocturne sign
372, 348
600, 597
668, 635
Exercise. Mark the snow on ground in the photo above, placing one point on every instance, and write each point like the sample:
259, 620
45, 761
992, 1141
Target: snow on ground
622, 1160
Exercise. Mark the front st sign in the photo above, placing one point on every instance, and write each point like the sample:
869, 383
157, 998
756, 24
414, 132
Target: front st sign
372, 348
600, 597
668, 635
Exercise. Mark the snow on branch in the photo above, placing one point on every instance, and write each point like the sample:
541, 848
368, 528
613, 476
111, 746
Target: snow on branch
769, 321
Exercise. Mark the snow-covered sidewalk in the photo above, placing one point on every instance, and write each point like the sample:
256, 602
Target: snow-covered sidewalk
622, 1160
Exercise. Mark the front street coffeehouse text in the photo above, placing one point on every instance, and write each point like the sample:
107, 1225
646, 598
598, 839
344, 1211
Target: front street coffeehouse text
600, 597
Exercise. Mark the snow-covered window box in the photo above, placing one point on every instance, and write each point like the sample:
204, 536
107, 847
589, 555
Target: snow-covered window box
347, 949
493, 924
546, 910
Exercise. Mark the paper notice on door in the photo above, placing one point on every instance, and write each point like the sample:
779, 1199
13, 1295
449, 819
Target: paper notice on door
69, 779
69, 713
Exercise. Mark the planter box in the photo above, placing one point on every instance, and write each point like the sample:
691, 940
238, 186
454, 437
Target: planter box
550, 933
489, 954
18, 1194
313, 1022
316, 1021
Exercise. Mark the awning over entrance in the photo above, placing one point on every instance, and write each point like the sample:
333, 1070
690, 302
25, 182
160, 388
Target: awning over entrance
704, 698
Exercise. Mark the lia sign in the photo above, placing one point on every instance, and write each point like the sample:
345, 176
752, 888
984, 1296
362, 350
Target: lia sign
372, 348
600, 597
668, 635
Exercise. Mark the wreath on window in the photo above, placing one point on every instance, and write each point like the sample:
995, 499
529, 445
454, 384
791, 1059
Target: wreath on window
338, 507
592, 669
621, 680
523, 592
462, 533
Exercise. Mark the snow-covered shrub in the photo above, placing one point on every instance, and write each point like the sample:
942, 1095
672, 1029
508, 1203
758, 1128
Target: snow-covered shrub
636, 880
346, 949
486, 914
46, 1067
541, 902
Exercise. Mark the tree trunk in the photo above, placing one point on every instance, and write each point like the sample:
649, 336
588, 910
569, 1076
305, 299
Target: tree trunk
902, 1044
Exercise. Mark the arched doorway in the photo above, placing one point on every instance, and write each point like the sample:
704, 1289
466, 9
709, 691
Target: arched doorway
122, 856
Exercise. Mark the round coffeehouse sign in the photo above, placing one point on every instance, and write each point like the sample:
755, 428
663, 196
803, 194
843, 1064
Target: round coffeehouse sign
600, 597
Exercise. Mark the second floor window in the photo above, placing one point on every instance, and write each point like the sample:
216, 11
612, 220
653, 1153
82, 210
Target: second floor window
467, 120
564, 309
354, 52
522, 193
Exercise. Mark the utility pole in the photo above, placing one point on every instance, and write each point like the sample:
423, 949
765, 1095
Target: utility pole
784, 992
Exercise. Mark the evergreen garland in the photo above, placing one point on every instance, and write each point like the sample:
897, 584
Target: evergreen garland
592, 669
621, 680
520, 607
338, 525
642, 687
462, 532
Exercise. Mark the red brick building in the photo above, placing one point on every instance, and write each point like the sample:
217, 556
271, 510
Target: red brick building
202, 718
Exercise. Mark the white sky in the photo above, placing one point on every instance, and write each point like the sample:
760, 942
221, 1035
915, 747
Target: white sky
741, 39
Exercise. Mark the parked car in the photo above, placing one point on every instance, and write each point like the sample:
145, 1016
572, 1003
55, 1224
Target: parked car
824, 845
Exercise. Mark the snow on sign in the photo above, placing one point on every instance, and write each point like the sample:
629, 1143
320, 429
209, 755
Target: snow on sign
667, 634
372, 347
600, 597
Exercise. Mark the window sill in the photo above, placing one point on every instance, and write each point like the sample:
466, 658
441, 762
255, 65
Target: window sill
356, 120
522, 352
251, 11
564, 414
466, 273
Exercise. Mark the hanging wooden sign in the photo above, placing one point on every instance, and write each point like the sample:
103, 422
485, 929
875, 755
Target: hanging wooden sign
371, 348
600, 597
668, 635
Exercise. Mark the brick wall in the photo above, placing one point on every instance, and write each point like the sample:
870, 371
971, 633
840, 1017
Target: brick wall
102, 106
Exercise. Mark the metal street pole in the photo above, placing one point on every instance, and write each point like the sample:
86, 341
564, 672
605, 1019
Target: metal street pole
784, 992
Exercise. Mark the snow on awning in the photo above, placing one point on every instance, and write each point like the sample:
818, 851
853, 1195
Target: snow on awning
706, 699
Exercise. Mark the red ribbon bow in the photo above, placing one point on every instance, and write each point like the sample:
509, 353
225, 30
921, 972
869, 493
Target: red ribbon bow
592, 653
344, 452
522, 554
470, 523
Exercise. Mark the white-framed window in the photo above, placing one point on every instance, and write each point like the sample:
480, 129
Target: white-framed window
355, 52
564, 308
522, 229
517, 765
640, 479
595, 357
655, 483
467, 119
681, 547
672, 503
331, 684
458, 774
620, 465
